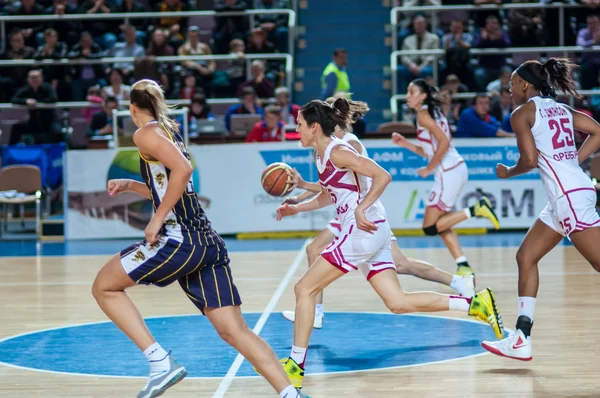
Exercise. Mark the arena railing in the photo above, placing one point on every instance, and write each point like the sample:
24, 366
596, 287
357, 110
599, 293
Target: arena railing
484, 7
289, 77
438, 53
395, 99
146, 15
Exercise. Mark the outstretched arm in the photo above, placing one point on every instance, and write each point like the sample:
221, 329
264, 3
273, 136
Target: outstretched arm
521, 120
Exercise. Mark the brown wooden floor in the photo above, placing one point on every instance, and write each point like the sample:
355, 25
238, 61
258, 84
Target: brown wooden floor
44, 292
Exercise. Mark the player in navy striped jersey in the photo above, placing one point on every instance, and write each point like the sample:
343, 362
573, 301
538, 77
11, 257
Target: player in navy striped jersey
181, 246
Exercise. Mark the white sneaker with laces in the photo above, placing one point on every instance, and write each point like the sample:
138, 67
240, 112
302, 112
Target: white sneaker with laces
317, 324
515, 346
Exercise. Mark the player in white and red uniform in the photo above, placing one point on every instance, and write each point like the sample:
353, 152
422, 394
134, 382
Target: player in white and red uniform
544, 129
464, 285
353, 184
434, 142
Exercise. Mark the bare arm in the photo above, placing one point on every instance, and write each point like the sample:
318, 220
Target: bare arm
401, 141
153, 144
140, 188
322, 199
429, 123
521, 120
583, 122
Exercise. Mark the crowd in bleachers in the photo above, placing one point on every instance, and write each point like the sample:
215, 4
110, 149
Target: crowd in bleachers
458, 32
142, 39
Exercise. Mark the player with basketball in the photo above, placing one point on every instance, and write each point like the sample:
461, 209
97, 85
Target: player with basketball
353, 184
181, 246
464, 285
544, 129
449, 170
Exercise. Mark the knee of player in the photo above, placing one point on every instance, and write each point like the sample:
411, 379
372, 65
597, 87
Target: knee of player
522, 257
302, 289
399, 305
312, 251
229, 333
431, 230
596, 266
97, 290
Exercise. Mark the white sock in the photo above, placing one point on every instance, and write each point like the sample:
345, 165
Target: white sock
467, 211
456, 283
318, 309
298, 355
289, 392
527, 307
158, 358
459, 303
461, 259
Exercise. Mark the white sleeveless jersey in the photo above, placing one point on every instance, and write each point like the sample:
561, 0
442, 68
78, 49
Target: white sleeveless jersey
346, 188
351, 137
427, 141
553, 133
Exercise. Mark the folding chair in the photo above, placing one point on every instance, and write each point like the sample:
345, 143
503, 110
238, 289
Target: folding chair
26, 180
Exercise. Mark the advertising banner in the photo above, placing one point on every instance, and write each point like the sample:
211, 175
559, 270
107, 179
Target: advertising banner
227, 178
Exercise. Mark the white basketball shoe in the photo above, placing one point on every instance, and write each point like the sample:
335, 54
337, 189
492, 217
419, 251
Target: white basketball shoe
515, 346
317, 324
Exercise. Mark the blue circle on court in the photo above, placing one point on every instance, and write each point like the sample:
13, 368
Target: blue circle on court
348, 341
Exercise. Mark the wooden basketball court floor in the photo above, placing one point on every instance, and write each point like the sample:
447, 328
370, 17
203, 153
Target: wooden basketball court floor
53, 291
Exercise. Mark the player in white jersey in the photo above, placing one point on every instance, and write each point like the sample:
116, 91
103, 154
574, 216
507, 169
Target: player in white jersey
544, 129
464, 285
434, 142
353, 184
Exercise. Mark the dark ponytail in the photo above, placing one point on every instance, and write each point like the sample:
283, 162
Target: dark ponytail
341, 112
432, 101
552, 74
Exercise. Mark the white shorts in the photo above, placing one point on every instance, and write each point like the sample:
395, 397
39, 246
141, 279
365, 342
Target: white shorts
354, 249
447, 187
335, 227
575, 211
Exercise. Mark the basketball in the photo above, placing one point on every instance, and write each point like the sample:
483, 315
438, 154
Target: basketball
274, 179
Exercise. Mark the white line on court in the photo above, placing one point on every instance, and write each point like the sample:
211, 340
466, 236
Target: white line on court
239, 359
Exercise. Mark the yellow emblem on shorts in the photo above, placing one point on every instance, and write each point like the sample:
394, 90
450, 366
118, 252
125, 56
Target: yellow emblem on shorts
160, 179
155, 245
139, 256
170, 222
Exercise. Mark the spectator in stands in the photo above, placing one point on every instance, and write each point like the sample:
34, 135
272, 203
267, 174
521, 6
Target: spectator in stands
490, 66
200, 109
129, 47
237, 66
228, 28
590, 61
480, 17
450, 109
102, 122
104, 31
30, 29
68, 30
14, 78
176, 26
477, 122
502, 81
334, 78
414, 66
203, 71
405, 18
42, 123
259, 44
159, 47
247, 107
56, 75
457, 44
116, 88
263, 87
141, 24
268, 130
289, 111
502, 104
189, 88
276, 25
86, 76
526, 29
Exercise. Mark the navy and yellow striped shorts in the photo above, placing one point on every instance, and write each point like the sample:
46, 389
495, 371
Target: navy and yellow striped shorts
202, 270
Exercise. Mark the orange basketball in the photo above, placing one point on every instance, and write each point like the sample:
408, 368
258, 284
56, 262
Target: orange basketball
274, 179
